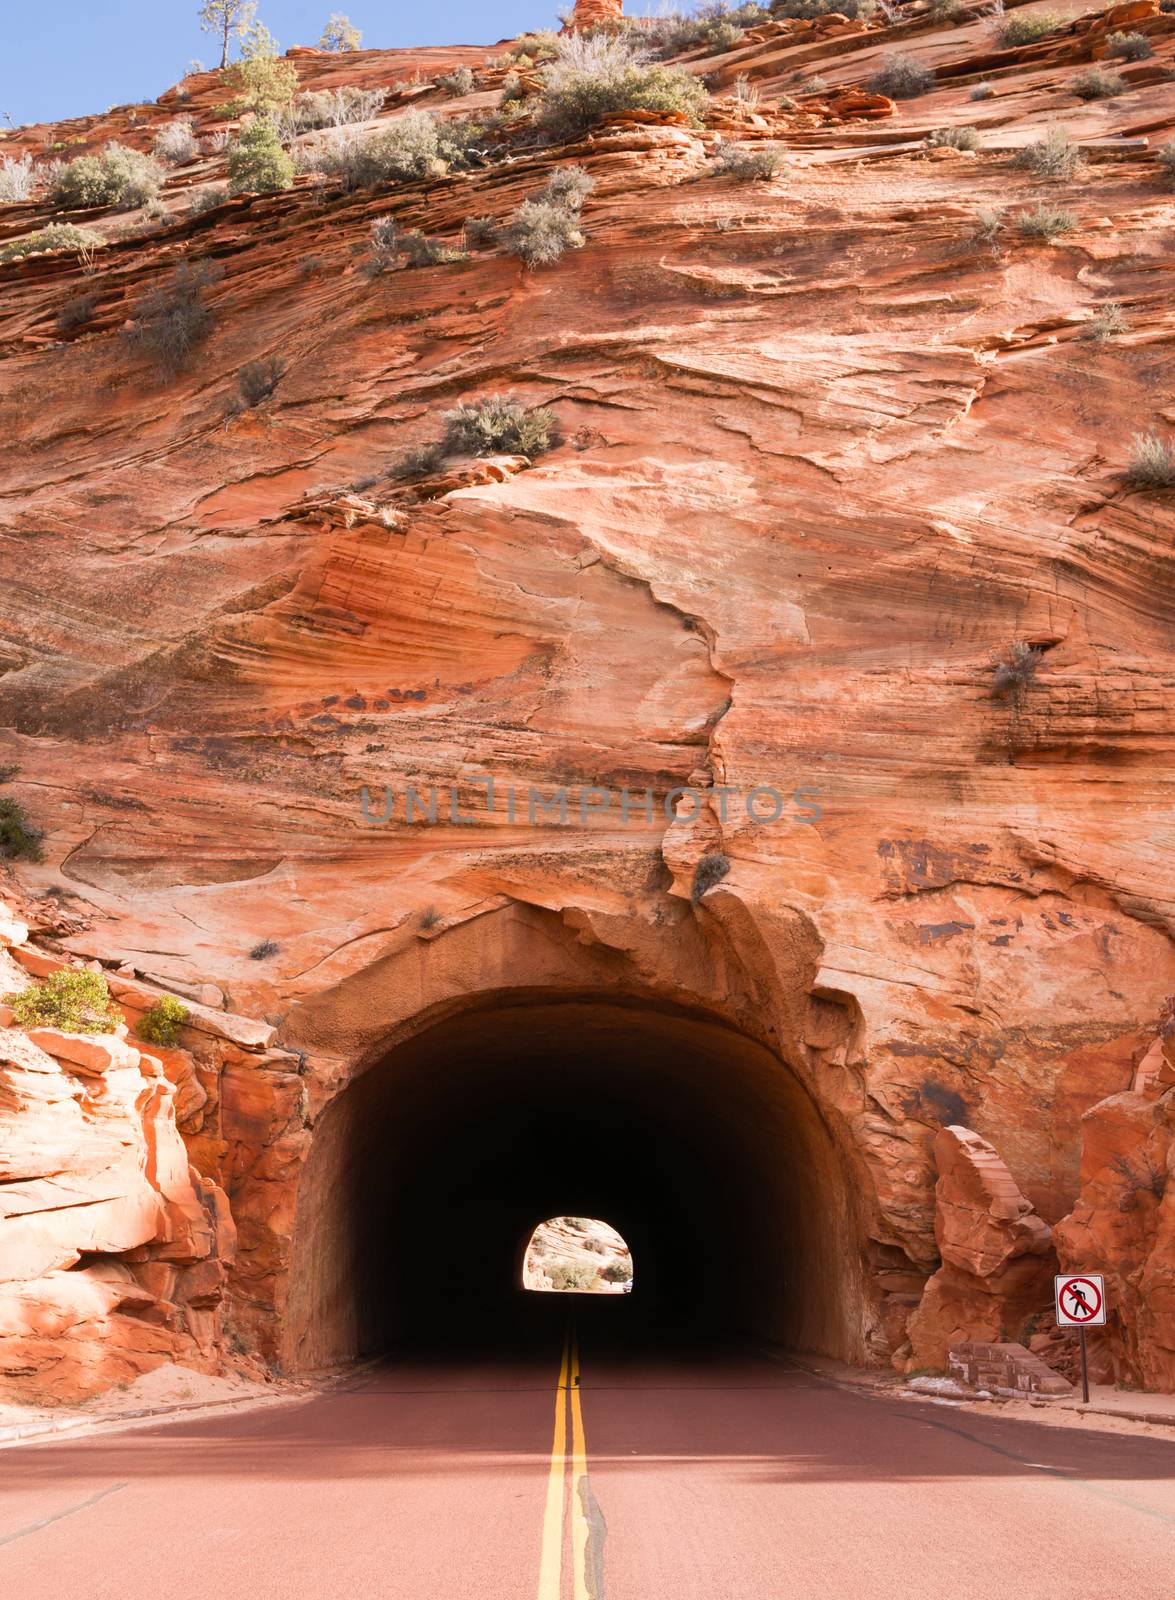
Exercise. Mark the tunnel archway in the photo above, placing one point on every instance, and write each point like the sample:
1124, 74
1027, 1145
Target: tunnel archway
697, 1143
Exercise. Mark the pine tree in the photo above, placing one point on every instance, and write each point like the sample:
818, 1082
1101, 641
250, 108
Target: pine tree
257, 164
226, 18
340, 34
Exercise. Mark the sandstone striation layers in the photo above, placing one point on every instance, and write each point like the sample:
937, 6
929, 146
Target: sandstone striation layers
830, 462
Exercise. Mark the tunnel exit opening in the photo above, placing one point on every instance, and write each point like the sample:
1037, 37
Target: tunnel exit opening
577, 1255
429, 1171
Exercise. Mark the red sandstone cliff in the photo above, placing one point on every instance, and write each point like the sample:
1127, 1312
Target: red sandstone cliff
827, 460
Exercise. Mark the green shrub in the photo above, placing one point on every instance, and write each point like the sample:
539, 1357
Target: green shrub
19, 840
499, 425
175, 142
1129, 47
542, 45
1152, 463
162, 1023
746, 163
171, 320
711, 869
208, 199
262, 84
1051, 157
459, 82
902, 78
1046, 222
425, 252
340, 34
579, 1224
540, 231
118, 177
1019, 29
257, 164
594, 77
480, 231
567, 186
619, 1271
415, 146
76, 1001
57, 236
572, 1275
954, 139
1098, 84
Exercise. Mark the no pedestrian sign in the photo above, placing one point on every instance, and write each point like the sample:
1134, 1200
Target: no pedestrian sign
1081, 1300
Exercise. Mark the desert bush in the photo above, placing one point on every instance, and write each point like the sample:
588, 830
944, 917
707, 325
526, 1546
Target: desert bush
208, 199
745, 163
675, 34
499, 425
711, 869
1152, 463
415, 146
480, 231
257, 163
1028, 29
1015, 672
1046, 222
262, 84
171, 320
540, 231
459, 82
162, 1023
430, 918
567, 186
76, 312
263, 951
982, 91
175, 142
1129, 47
16, 179
579, 1224
989, 224
1098, 84
19, 840
815, 85
217, 142
385, 246
1109, 322
542, 45
57, 236
329, 108
619, 1271
512, 89
902, 78
591, 78
1051, 157
1166, 159
257, 380
118, 177
565, 1275
954, 139
76, 1001
340, 34
808, 9
422, 251
420, 462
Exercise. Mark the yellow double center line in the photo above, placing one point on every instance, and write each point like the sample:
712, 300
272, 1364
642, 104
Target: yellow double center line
567, 1402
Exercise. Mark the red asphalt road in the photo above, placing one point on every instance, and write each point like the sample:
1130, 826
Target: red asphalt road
721, 1479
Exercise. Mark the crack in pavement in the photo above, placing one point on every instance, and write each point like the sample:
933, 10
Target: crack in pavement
70, 1511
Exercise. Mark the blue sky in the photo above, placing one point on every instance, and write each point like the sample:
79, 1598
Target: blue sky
65, 58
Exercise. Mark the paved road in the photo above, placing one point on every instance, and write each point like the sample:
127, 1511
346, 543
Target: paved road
635, 1478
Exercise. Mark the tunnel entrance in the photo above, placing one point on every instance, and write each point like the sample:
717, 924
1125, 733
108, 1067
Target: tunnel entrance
429, 1172
577, 1255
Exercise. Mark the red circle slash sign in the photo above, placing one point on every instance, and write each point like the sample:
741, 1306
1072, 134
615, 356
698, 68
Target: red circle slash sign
1080, 1299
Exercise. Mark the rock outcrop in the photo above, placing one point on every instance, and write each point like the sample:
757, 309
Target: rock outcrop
839, 517
997, 1254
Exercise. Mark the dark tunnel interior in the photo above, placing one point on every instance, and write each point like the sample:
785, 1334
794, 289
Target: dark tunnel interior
429, 1173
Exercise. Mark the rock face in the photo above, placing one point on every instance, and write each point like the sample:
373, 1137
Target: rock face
830, 466
1124, 1226
997, 1254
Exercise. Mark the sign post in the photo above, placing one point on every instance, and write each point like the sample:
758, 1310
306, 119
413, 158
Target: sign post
1081, 1304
